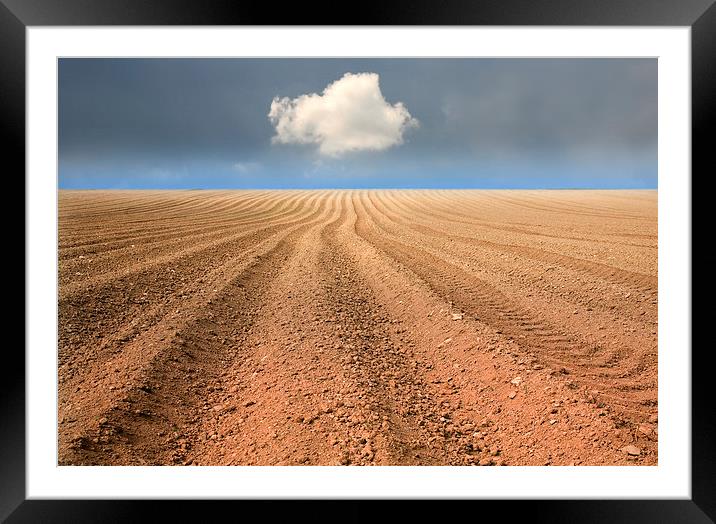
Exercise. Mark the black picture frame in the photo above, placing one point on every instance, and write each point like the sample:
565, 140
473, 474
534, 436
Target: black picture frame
700, 15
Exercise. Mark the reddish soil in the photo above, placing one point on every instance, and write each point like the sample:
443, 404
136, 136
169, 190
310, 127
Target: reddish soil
357, 327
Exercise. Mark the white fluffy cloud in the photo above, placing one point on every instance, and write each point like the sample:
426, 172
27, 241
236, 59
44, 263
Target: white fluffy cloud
350, 115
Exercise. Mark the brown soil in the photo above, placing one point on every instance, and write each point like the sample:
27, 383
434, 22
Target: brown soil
357, 327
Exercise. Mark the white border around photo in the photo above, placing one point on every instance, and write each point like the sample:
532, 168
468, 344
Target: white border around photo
670, 479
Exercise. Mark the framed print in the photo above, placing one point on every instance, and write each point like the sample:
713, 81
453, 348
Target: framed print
425, 253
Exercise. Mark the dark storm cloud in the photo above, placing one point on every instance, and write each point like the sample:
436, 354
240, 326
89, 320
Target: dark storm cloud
159, 107
135, 117
546, 105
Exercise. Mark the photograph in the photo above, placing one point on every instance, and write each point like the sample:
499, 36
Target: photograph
357, 261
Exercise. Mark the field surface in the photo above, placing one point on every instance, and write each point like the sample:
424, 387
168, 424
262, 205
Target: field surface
357, 327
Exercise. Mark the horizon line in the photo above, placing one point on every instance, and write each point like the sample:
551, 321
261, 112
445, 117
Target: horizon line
357, 188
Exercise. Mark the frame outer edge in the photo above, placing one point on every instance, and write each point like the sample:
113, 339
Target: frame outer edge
373, 12
703, 116
12, 137
12, 107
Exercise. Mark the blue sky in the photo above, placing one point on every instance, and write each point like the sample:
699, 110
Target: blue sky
357, 123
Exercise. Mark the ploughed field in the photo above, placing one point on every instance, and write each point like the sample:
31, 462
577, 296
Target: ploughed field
440, 327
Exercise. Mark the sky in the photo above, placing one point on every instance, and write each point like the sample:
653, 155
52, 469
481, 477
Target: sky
357, 123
